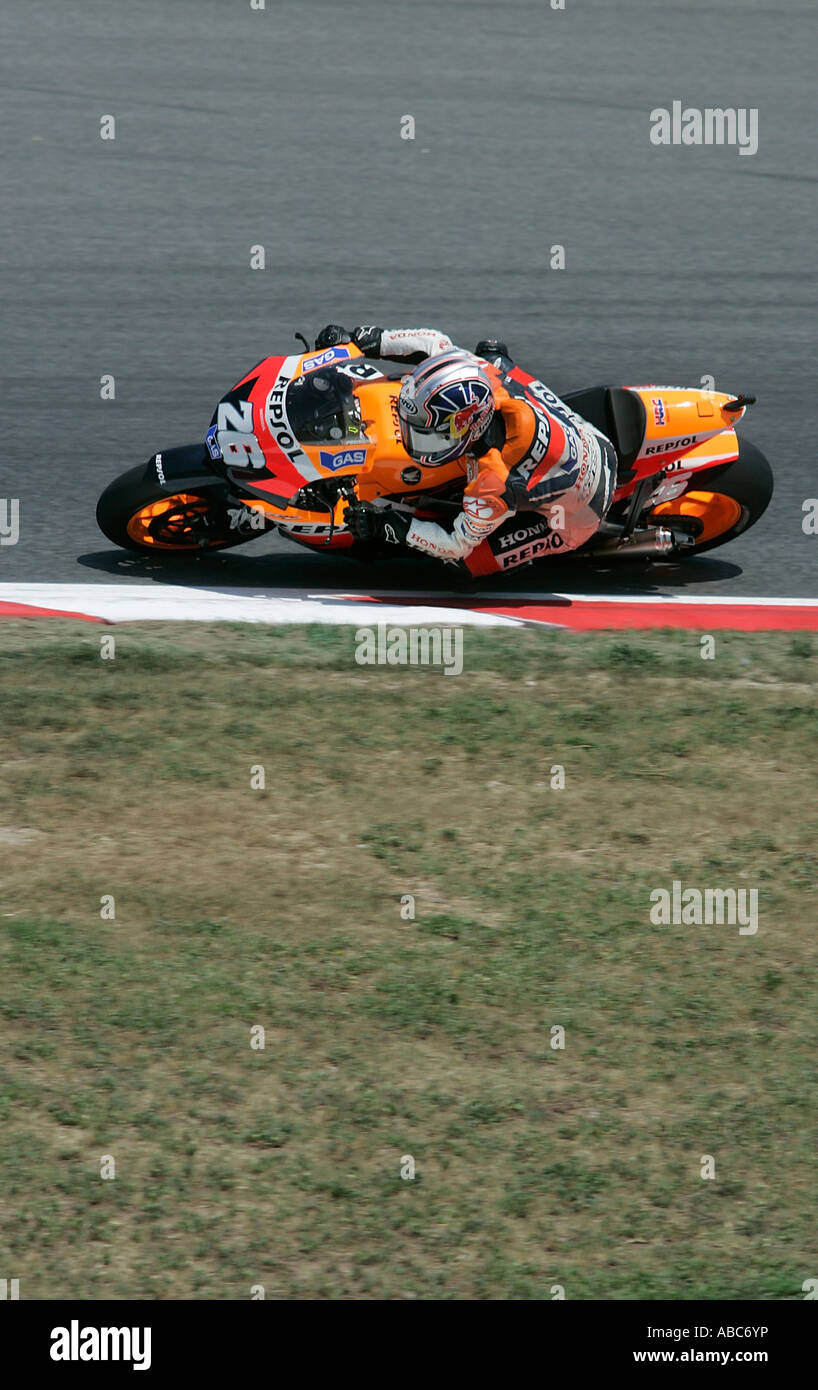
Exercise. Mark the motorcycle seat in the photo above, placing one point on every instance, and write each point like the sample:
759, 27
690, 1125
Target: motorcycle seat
618, 413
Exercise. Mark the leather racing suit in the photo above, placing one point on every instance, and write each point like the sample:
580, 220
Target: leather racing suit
537, 455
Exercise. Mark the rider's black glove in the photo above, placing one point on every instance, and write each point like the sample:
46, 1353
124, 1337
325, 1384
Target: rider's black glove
368, 339
368, 523
491, 348
329, 336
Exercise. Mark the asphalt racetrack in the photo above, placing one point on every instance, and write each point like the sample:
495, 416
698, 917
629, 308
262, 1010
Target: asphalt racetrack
281, 127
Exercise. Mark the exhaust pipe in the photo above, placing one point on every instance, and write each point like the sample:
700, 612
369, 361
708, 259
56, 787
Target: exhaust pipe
657, 541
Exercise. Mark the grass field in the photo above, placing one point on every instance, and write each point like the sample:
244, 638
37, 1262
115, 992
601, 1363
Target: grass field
387, 1036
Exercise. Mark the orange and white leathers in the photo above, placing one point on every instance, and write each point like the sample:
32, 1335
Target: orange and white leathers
549, 461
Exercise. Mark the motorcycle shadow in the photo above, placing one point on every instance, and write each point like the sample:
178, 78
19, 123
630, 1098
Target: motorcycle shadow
288, 570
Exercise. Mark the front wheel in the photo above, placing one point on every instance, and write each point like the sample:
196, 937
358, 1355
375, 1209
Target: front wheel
721, 502
134, 513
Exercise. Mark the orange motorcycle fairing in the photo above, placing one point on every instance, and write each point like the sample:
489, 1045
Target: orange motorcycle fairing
265, 461
690, 424
387, 471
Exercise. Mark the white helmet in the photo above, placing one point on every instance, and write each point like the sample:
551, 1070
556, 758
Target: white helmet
443, 407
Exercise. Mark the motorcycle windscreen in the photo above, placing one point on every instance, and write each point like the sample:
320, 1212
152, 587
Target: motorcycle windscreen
322, 409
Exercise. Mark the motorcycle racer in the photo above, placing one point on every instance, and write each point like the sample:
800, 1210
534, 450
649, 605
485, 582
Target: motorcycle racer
523, 448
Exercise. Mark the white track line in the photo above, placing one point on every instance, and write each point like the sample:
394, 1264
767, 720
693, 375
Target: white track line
122, 603
188, 603
506, 596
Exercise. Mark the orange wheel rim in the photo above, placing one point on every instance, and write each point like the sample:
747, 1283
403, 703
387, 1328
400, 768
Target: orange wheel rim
169, 523
715, 510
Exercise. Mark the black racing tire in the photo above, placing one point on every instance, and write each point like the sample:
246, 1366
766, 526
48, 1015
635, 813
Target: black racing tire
207, 511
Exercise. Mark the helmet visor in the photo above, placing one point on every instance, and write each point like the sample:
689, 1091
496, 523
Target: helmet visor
426, 444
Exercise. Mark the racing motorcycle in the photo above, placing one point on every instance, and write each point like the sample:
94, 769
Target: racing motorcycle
300, 436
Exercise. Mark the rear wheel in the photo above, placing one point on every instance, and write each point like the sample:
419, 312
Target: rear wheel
133, 513
723, 502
